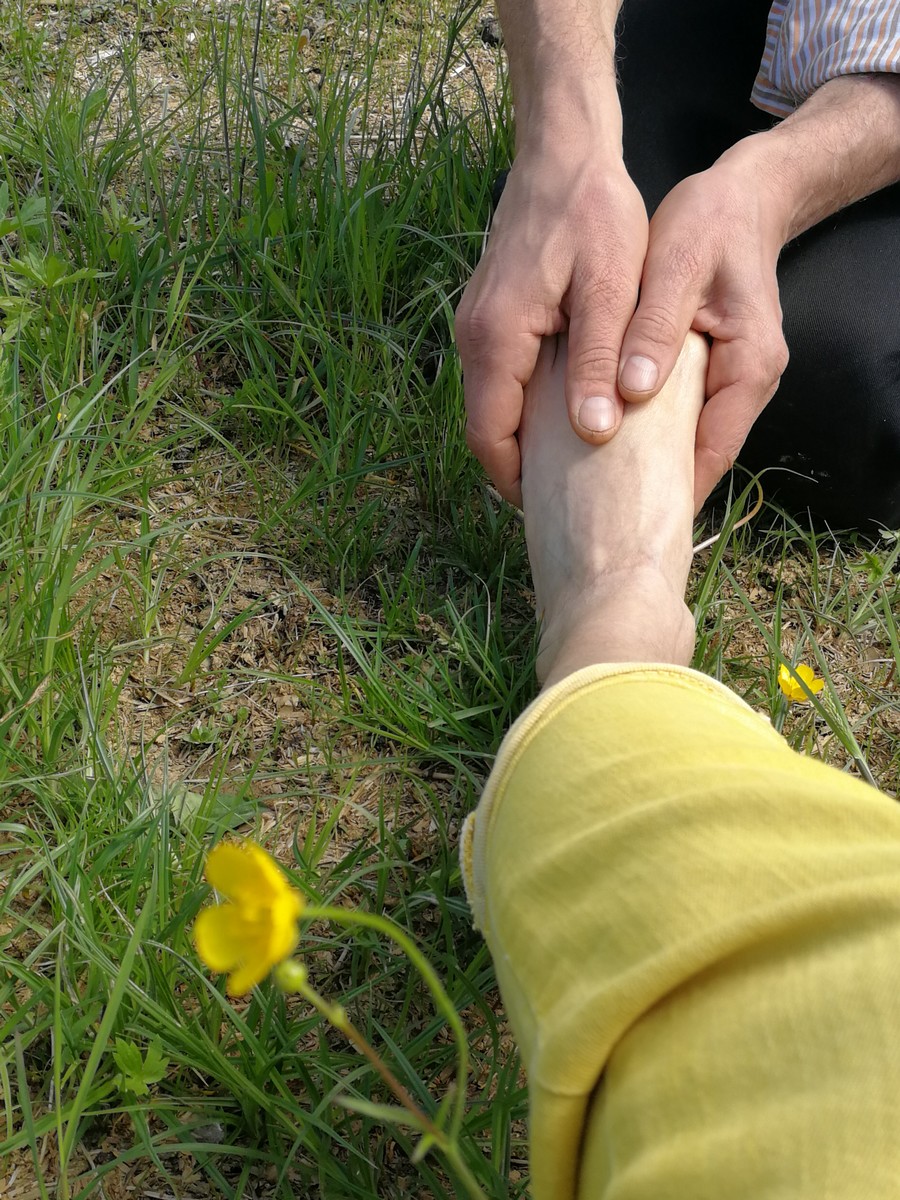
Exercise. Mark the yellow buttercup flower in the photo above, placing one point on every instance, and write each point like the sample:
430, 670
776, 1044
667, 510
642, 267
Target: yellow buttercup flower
257, 926
792, 688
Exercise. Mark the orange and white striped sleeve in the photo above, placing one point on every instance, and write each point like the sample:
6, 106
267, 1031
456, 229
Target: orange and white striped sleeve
809, 42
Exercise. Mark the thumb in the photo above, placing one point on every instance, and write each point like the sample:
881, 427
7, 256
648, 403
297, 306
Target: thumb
655, 334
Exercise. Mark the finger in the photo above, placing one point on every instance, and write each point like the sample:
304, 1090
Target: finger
495, 369
499, 335
670, 298
743, 377
599, 313
494, 400
721, 431
501, 460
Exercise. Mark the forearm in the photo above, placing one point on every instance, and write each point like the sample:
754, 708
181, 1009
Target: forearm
842, 144
562, 66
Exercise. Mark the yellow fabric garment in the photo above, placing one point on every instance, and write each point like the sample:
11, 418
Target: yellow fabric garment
696, 933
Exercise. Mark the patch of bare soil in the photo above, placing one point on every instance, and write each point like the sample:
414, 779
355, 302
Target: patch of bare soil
180, 1178
224, 662
162, 42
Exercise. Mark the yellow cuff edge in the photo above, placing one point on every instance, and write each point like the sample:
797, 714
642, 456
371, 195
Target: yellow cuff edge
545, 708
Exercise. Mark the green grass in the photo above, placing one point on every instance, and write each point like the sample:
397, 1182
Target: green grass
251, 580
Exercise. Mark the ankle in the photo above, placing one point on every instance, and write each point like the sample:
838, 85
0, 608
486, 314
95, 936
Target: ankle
635, 616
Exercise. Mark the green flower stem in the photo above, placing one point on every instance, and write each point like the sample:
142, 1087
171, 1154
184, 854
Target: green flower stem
446, 1141
336, 1015
383, 925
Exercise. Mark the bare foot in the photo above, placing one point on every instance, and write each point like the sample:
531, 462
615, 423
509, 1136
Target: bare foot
609, 527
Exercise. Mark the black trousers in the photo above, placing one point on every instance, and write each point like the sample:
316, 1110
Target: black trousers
686, 70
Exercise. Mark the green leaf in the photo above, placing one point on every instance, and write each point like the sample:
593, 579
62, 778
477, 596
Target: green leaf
49, 270
127, 1056
425, 1144
225, 809
29, 217
155, 1064
390, 1114
137, 1072
133, 1084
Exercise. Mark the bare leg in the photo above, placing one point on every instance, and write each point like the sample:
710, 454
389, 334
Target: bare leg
696, 932
609, 527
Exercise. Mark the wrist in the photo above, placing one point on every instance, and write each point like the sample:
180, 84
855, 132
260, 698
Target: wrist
581, 116
762, 170
562, 67
841, 144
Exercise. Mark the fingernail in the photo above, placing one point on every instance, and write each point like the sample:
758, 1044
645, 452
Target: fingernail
639, 374
597, 413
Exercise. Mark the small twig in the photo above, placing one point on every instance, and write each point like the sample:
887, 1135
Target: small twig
743, 521
25, 704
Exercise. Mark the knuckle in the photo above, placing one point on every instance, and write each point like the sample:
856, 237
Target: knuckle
759, 388
478, 441
606, 282
476, 325
656, 324
780, 356
593, 361
772, 362
720, 459
683, 265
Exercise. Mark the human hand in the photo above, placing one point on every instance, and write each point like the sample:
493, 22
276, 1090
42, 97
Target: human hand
714, 244
565, 251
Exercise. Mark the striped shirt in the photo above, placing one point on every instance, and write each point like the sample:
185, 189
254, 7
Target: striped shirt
809, 42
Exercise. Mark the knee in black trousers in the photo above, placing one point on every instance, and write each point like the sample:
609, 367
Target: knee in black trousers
686, 71
835, 419
685, 74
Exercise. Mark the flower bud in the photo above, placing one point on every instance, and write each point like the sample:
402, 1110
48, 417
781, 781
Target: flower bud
291, 976
337, 1015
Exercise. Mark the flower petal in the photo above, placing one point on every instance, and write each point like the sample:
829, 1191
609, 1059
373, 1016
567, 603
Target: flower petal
246, 977
792, 687
227, 937
213, 937
283, 933
243, 872
786, 681
258, 928
269, 869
